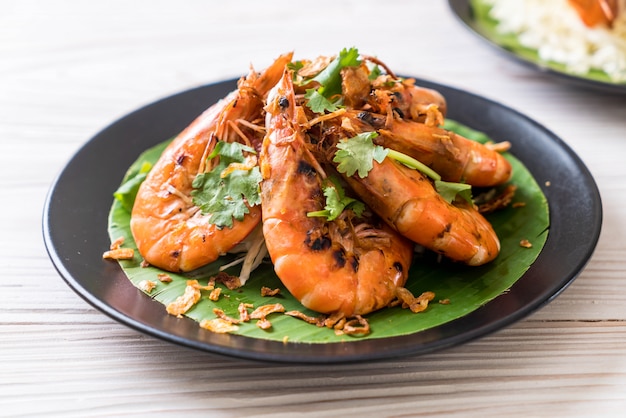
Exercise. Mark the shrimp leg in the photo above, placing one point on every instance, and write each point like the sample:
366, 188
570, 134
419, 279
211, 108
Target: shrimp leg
387, 92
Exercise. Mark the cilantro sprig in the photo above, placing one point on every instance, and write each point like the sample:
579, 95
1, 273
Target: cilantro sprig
321, 99
357, 155
337, 201
413, 163
226, 191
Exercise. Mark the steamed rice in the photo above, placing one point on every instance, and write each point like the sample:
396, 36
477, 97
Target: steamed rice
554, 29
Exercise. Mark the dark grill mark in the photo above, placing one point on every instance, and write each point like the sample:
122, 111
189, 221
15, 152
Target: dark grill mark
317, 242
175, 254
399, 112
305, 168
283, 102
398, 266
321, 243
180, 159
365, 117
371, 119
340, 258
445, 231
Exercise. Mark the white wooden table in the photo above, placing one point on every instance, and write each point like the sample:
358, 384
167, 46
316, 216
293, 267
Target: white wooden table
69, 68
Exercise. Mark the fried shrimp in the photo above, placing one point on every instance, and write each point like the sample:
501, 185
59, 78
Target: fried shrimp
404, 118
338, 170
408, 100
453, 156
389, 93
407, 200
170, 231
345, 267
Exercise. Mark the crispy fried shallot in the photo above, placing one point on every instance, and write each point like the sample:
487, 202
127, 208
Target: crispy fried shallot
415, 304
185, 301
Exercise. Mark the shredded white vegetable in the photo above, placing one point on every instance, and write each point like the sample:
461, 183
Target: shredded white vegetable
255, 250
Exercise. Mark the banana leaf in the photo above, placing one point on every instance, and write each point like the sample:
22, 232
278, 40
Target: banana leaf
509, 41
458, 289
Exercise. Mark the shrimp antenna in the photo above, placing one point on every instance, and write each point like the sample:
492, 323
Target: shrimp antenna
382, 64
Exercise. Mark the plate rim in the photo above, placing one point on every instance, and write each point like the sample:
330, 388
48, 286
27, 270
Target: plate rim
463, 13
442, 336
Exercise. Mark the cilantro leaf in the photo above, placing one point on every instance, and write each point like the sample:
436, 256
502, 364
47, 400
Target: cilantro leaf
330, 77
230, 151
337, 201
374, 72
318, 103
449, 191
357, 154
224, 191
295, 66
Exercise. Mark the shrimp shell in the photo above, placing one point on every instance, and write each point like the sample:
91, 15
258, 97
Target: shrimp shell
331, 267
170, 231
451, 155
407, 200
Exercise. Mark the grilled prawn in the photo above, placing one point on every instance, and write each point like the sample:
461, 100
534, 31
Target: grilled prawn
346, 267
407, 200
451, 155
406, 119
171, 232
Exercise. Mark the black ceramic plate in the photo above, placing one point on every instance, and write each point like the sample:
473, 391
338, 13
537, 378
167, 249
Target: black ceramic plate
463, 11
77, 207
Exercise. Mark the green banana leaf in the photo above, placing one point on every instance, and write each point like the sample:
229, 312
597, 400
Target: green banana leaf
463, 288
510, 42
